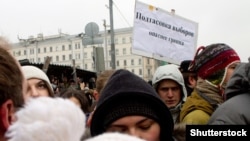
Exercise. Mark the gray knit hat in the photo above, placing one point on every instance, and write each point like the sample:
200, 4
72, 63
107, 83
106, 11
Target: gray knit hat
34, 72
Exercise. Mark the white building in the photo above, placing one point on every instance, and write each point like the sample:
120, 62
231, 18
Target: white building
64, 48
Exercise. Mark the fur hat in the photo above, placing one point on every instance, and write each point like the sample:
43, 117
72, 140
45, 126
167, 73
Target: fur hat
34, 72
211, 62
127, 94
114, 136
48, 119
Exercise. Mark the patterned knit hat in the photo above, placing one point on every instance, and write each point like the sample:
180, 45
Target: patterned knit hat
212, 61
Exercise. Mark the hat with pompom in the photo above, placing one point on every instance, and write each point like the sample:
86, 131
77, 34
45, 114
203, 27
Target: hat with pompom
210, 62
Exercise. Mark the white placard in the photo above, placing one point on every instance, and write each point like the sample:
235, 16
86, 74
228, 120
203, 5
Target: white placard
163, 35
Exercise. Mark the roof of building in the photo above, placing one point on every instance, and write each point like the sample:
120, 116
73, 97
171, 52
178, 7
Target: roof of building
62, 70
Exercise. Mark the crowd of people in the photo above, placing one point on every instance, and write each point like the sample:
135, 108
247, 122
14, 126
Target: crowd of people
122, 106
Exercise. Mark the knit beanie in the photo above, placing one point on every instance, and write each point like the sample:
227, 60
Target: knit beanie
129, 107
127, 94
34, 72
184, 66
211, 62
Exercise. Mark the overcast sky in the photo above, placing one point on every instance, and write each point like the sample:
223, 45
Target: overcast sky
226, 21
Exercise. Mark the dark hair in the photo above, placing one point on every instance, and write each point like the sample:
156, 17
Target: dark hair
11, 77
88, 93
68, 93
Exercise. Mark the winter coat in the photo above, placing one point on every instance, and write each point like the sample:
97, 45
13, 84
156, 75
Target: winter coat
235, 110
171, 71
200, 105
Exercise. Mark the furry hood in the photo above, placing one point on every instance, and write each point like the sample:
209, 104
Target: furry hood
114, 136
48, 119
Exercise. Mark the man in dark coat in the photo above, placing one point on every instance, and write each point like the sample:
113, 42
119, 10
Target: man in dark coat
235, 110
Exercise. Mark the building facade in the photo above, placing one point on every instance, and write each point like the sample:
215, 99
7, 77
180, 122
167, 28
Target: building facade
64, 48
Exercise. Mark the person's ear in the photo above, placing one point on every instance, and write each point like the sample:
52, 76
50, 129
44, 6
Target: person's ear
192, 81
7, 113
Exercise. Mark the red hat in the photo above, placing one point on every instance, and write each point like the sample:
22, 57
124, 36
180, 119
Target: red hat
213, 59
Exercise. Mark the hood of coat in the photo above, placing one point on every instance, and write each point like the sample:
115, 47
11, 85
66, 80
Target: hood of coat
170, 71
239, 82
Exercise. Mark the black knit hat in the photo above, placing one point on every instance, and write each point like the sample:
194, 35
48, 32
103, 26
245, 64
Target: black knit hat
129, 107
184, 66
127, 94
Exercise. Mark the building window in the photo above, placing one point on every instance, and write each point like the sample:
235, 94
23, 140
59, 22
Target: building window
133, 71
31, 51
116, 41
38, 50
70, 47
70, 56
139, 62
79, 46
117, 52
57, 58
140, 71
24, 52
38, 60
86, 66
124, 51
124, 40
130, 39
63, 57
117, 63
132, 62
63, 47
149, 72
109, 52
125, 62
44, 49
51, 49
77, 56
148, 60
85, 55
